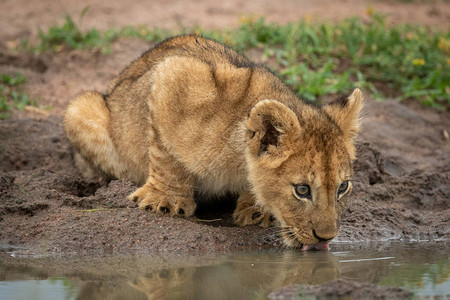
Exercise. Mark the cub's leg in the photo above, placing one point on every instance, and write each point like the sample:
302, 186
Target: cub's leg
86, 123
169, 188
248, 213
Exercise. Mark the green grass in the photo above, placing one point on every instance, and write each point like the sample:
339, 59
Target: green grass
403, 61
12, 94
316, 59
69, 35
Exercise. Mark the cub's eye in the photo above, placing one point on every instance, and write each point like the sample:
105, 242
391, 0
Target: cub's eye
302, 191
343, 187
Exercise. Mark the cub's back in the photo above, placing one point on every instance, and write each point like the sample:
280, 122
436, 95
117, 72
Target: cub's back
188, 45
195, 93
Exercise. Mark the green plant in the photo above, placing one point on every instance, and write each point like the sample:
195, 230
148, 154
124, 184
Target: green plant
4, 107
12, 94
13, 80
70, 35
403, 61
142, 32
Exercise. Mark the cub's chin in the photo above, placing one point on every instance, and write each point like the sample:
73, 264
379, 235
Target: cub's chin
292, 241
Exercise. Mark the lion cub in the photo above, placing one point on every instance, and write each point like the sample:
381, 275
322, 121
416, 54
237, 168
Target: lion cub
193, 115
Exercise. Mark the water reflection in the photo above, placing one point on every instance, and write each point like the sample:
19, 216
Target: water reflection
243, 276
239, 276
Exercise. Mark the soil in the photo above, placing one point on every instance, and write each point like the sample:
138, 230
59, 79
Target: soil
402, 174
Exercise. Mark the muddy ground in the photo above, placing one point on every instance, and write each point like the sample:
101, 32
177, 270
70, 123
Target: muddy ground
402, 175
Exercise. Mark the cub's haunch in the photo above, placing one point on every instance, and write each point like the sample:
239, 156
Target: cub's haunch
192, 114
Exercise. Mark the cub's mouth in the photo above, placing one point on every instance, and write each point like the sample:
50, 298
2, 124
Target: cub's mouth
291, 239
316, 246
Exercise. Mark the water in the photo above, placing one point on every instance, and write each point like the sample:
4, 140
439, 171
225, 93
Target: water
421, 268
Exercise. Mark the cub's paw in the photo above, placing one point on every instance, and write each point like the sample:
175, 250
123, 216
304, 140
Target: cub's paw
252, 215
150, 200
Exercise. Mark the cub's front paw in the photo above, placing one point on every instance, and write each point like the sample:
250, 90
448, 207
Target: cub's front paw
151, 200
252, 215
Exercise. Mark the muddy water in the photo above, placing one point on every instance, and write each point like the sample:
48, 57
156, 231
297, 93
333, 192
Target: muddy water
421, 268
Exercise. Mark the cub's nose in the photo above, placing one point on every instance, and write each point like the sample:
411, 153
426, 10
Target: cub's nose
323, 237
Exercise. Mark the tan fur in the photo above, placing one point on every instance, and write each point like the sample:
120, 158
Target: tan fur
193, 115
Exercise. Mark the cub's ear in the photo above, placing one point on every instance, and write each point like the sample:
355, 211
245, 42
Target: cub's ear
273, 131
346, 113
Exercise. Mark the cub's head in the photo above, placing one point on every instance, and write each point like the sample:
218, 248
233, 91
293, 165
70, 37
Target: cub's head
300, 165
